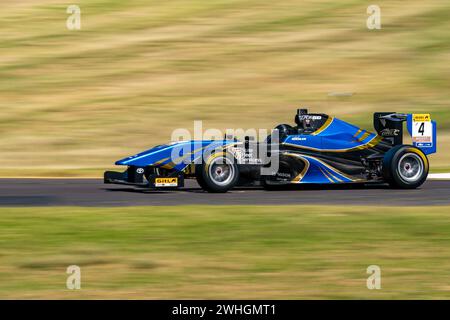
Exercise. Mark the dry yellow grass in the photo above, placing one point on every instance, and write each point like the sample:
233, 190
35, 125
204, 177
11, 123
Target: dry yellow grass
238, 252
75, 101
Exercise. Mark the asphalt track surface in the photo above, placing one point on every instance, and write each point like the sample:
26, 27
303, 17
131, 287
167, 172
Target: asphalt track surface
92, 192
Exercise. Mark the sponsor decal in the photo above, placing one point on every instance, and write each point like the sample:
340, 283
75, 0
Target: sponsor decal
298, 139
283, 175
241, 156
166, 182
309, 117
421, 117
140, 170
238, 153
390, 132
422, 130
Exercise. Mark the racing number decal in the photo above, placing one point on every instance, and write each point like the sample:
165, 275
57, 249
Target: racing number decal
422, 130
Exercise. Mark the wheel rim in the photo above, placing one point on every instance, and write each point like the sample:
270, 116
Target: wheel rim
221, 171
410, 167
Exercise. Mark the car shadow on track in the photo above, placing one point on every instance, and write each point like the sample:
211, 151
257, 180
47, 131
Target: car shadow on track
309, 187
138, 190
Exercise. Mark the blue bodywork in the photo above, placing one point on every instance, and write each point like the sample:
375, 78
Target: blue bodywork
317, 171
335, 136
177, 155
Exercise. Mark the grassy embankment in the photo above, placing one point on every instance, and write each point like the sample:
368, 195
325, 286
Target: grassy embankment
225, 252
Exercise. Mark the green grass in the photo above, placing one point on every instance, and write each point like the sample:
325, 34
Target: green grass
268, 252
75, 101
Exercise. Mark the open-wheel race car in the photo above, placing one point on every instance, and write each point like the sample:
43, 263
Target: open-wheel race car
319, 149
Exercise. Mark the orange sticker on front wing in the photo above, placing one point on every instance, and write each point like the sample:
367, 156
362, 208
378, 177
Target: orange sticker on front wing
166, 182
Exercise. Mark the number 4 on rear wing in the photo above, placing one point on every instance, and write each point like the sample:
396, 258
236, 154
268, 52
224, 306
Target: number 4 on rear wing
423, 132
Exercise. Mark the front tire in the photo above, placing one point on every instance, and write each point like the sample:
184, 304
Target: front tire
405, 167
218, 174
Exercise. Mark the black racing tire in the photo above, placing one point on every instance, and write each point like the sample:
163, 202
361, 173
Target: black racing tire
199, 176
405, 167
219, 173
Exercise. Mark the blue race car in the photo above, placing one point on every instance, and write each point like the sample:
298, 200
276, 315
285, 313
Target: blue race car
319, 149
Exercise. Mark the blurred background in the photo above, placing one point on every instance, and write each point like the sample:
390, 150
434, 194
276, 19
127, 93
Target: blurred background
73, 102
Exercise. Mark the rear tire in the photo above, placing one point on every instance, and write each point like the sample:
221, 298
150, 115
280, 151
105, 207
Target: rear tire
218, 174
405, 167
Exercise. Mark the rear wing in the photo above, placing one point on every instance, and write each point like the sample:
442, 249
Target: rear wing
421, 128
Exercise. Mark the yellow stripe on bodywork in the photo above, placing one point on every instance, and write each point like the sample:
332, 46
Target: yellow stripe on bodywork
323, 127
302, 174
364, 137
336, 171
326, 175
357, 133
333, 176
330, 168
372, 143
160, 161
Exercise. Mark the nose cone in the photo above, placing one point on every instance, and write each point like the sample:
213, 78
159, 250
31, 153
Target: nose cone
143, 158
180, 153
125, 161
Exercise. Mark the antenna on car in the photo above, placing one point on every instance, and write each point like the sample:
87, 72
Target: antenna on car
301, 112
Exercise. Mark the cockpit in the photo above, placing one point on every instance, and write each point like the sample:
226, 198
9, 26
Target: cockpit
306, 123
